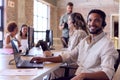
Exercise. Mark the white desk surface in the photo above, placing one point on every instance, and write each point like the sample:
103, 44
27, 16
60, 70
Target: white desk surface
4, 64
7, 51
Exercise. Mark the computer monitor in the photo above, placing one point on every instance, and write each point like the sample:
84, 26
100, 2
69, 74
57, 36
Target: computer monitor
49, 38
30, 37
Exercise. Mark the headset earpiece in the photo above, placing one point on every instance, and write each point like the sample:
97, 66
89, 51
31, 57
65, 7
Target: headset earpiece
103, 23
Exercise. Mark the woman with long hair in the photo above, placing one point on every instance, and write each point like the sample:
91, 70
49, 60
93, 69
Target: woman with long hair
77, 31
23, 37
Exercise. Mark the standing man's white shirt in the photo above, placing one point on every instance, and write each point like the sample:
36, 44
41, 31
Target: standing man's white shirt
99, 55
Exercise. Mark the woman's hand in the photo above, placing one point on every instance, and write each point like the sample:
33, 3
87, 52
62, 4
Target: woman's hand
19, 44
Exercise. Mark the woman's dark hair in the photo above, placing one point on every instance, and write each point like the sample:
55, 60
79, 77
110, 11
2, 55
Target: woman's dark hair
24, 25
11, 26
79, 22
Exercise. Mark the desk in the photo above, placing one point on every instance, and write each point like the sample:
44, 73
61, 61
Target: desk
34, 51
6, 50
117, 74
4, 60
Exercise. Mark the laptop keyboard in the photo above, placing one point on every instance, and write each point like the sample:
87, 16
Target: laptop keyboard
32, 64
27, 63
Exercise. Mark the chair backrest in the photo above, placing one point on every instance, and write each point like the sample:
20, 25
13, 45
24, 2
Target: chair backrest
44, 46
117, 61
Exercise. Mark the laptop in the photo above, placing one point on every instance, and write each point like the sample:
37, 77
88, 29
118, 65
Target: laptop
22, 63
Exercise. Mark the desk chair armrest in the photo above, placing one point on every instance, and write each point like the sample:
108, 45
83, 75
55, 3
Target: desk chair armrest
67, 68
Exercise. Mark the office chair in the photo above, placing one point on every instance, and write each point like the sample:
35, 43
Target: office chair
117, 61
67, 68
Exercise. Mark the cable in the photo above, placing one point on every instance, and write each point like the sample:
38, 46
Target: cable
11, 62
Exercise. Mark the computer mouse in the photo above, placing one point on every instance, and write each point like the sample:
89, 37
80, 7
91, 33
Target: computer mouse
33, 61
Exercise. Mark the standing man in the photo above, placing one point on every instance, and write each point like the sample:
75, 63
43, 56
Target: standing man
64, 26
95, 54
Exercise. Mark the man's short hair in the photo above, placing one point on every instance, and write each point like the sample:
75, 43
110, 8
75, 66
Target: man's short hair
69, 4
101, 13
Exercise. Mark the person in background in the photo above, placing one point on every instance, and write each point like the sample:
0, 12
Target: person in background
23, 37
95, 54
64, 26
77, 31
13, 30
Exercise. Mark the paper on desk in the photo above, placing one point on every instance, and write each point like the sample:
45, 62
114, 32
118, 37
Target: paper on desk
19, 72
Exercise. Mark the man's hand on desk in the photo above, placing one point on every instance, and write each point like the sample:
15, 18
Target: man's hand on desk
41, 59
49, 57
37, 60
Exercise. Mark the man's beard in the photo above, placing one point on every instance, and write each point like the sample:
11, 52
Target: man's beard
97, 31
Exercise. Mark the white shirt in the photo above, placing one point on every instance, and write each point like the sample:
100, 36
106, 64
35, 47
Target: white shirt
75, 38
23, 42
99, 55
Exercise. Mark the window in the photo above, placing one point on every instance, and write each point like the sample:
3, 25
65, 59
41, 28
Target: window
41, 20
0, 2
1, 23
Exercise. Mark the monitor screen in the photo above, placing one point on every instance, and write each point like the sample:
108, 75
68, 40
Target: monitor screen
30, 37
49, 37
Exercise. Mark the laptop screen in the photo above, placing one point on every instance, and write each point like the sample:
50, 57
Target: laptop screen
15, 50
15, 46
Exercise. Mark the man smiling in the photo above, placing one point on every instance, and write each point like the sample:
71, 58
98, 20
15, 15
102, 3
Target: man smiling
96, 22
95, 54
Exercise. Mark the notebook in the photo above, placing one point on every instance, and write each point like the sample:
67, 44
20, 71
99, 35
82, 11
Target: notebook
22, 63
